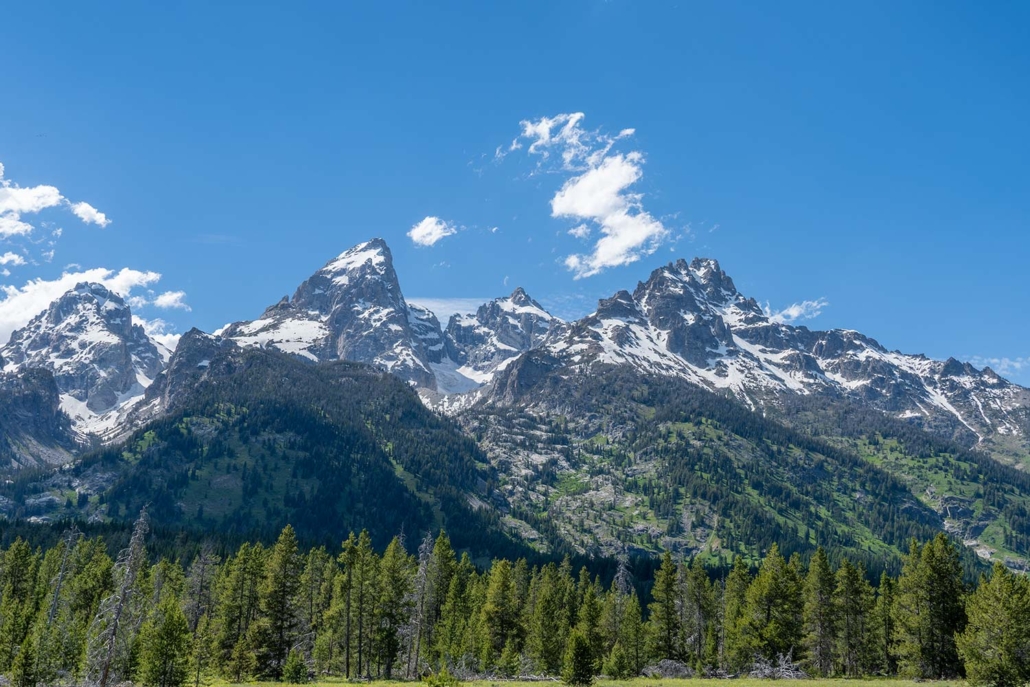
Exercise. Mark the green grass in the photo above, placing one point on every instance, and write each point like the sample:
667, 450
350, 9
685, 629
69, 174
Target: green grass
647, 682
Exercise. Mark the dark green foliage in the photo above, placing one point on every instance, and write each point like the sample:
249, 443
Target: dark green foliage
995, 646
579, 663
269, 615
295, 670
930, 610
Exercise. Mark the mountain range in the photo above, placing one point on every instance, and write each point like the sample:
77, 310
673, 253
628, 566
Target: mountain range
570, 421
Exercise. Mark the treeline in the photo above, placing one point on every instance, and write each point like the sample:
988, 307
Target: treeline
71, 614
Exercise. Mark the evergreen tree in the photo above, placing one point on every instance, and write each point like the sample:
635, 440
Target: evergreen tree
392, 604
665, 627
885, 633
279, 603
499, 615
165, 647
17, 599
995, 645
701, 617
854, 602
23, 668
736, 649
295, 671
634, 633
774, 609
930, 610
239, 587
578, 668
820, 614
547, 629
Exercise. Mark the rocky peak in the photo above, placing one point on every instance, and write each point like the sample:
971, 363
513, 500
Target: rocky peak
500, 330
350, 309
100, 360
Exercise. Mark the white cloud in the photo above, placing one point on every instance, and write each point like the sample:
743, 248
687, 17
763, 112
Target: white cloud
160, 331
18, 201
10, 258
18, 305
430, 230
443, 308
171, 300
89, 214
797, 312
580, 231
599, 192
1003, 365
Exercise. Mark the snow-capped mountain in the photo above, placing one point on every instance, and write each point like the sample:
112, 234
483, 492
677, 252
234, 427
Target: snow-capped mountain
353, 309
499, 331
101, 362
689, 321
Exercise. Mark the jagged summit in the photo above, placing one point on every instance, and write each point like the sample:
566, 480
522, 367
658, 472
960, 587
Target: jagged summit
353, 309
688, 320
101, 361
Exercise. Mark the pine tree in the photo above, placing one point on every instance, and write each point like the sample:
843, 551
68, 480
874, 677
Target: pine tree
854, 602
23, 668
17, 598
736, 649
701, 616
365, 565
617, 665
392, 604
547, 629
499, 615
995, 645
578, 668
203, 650
820, 614
589, 623
634, 633
279, 603
774, 609
239, 588
665, 627
884, 632
165, 647
295, 671
930, 610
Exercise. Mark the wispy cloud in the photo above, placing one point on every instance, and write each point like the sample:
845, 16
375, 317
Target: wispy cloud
597, 192
1003, 365
18, 305
797, 312
443, 308
171, 300
430, 230
20, 208
89, 214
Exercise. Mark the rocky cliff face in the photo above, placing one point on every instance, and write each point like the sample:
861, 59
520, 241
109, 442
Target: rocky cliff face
33, 430
353, 309
100, 361
689, 321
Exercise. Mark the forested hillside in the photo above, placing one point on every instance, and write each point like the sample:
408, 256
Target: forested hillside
266, 439
70, 612
621, 461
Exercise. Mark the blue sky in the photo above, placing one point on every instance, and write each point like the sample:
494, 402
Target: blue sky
873, 157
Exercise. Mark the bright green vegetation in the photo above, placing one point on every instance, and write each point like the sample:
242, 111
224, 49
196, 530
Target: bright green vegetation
70, 612
640, 682
643, 465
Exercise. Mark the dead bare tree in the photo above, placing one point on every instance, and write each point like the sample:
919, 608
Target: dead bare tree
46, 648
118, 620
199, 585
